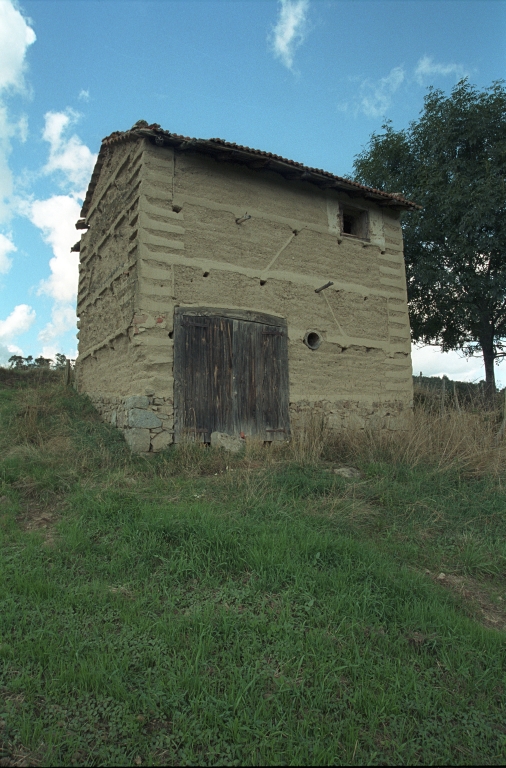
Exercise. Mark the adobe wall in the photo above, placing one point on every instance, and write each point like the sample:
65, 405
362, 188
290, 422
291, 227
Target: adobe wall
112, 368
178, 243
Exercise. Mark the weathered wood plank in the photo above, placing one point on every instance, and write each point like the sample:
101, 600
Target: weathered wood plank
235, 314
231, 375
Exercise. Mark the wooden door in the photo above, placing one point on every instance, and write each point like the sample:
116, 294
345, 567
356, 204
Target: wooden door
230, 374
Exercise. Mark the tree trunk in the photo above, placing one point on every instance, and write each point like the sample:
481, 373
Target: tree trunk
487, 346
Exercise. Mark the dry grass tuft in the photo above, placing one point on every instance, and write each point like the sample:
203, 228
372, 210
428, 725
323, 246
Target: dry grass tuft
49, 425
310, 439
39, 417
464, 438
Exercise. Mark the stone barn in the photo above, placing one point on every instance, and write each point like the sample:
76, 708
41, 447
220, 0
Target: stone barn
227, 289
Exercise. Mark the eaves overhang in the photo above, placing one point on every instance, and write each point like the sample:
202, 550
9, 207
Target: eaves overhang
256, 159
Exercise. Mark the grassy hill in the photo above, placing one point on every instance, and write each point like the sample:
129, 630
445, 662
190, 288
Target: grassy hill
197, 608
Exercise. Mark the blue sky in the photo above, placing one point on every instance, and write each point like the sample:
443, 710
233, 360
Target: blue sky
307, 79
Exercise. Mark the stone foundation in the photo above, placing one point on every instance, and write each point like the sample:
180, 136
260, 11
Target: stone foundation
146, 421
354, 415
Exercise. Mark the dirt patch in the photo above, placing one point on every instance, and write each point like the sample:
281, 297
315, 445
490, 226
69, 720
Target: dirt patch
21, 758
342, 471
486, 605
123, 591
34, 518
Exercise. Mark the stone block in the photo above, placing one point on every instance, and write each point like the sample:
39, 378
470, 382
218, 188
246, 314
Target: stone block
136, 401
114, 418
138, 440
399, 422
354, 422
142, 419
161, 441
232, 443
376, 422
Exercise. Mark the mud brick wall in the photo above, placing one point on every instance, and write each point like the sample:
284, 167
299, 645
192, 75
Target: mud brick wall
163, 233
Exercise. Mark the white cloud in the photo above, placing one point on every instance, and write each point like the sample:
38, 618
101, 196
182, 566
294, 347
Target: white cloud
6, 350
376, 96
63, 319
20, 320
15, 37
50, 351
67, 154
432, 362
426, 69
22, 129
290, 29
84, 95
6, 186
6, 247
56, 218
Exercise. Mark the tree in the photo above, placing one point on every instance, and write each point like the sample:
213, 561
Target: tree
16, 361
42, 362
60, 361
452, 161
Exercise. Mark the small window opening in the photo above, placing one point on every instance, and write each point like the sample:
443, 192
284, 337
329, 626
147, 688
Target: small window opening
354, 222
312, 339
348, 224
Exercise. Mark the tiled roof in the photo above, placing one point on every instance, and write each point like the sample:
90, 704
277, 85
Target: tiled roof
254, 158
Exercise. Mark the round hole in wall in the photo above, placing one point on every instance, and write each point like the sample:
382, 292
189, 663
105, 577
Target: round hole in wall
206, 274
171, 334
312, 339
263, 282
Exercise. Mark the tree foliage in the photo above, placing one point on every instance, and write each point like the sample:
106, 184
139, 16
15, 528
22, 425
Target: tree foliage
26, 363
452, 161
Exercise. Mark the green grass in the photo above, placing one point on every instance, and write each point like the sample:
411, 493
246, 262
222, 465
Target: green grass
173, 611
